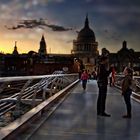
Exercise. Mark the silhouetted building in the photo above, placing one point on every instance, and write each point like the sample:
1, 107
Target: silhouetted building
54, 62
16, 64
15, 52
33, 63
43, 47
125, 57
1, 63
85, 47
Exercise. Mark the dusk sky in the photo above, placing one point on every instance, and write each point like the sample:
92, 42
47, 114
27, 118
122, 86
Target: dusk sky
112, 21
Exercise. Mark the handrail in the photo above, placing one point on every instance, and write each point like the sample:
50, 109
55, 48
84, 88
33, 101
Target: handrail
33, 91
15, 127
122, 75
19, 78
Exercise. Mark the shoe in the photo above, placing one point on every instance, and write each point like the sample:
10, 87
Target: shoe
105, 115
127, 116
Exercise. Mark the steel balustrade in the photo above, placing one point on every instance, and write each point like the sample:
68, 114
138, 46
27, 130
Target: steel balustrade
35, 89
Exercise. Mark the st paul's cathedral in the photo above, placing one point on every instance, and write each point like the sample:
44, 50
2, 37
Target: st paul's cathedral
85, 47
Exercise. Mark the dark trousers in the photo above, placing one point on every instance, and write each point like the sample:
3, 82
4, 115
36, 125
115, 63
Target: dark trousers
84, 83
110, 79
127, 100
101, 99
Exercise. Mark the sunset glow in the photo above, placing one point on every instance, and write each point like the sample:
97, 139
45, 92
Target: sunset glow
111, 22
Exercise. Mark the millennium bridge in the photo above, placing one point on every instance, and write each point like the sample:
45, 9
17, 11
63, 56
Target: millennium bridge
55, 107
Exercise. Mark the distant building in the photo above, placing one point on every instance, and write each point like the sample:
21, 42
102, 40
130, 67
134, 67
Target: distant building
15, 52
85, 47
1, 63
15, 65
33, 63
54, 62
43, 47
125, 57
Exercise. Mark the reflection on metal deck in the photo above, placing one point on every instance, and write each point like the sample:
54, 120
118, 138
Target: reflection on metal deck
73, 117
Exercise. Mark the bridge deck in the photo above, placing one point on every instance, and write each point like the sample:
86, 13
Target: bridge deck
76, 118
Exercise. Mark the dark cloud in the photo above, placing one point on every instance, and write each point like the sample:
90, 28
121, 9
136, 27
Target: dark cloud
58, 28
15, 27
34, 23
29, 24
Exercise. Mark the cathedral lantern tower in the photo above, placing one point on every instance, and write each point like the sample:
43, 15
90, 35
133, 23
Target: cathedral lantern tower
85, 46
15, 52
42, 50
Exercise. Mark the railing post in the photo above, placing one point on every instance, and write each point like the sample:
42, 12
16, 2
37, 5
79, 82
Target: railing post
17, 112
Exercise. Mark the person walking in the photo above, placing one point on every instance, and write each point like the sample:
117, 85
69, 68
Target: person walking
102, 81
84, 78
127, 91
112, 76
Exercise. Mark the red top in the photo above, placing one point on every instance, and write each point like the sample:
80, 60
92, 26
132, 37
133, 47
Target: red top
84, 76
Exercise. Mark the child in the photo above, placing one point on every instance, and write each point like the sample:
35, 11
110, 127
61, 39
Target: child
127, 91
84, 78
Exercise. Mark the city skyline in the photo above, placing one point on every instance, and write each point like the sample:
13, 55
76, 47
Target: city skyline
112, 22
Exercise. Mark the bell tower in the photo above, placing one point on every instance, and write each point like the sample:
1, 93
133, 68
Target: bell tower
42, 50
15, 52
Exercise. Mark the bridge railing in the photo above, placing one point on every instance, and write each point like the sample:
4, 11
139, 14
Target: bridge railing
136, 87
18, 95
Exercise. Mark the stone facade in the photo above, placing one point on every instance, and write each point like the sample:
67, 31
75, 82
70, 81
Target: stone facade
85, 47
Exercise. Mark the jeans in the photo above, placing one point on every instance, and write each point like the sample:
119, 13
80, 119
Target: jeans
101, 99
127, 100
84, 83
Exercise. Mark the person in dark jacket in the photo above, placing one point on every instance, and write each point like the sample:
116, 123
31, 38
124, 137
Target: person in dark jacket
126, 90
102, 81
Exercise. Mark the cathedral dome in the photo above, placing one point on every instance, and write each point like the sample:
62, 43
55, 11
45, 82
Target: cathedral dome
86, 34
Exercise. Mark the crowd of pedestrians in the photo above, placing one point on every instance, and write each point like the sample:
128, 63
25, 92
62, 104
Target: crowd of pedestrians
103, 73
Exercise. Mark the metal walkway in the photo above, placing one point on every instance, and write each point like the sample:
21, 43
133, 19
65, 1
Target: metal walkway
76, 118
